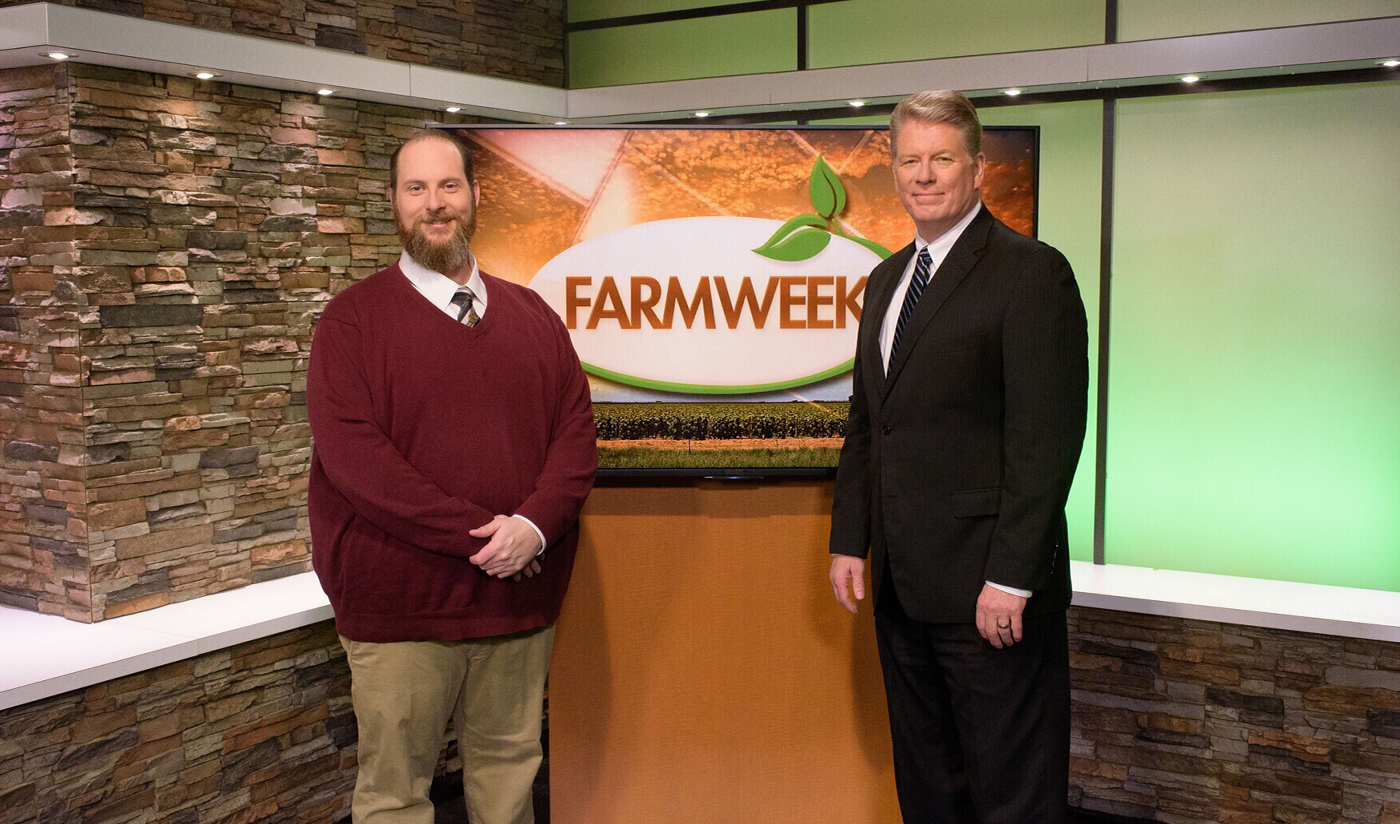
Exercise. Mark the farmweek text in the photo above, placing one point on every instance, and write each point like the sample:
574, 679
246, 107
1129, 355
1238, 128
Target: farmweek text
801, 302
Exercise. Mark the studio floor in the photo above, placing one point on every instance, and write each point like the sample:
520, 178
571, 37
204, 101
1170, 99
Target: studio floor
450, 808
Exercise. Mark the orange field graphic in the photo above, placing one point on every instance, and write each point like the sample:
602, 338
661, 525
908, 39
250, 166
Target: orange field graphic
544, 190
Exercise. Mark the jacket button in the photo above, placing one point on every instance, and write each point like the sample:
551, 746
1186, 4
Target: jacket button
885, 430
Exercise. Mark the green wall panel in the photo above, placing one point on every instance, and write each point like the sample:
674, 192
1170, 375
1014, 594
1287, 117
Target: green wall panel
1071, 157
683, 49
877, 31
1151, 19
1254, 387
580, 10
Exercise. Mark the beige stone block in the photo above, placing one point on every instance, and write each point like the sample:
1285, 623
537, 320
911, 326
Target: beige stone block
184, 423
278, 553
340, 225
165, 540
336, 157
113, 514
166, 500
220, 506
185, 462
32, 280
195, 439
141, 604
302, 137
132, 375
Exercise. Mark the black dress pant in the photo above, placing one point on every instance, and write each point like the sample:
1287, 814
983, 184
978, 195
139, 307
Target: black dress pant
981, 735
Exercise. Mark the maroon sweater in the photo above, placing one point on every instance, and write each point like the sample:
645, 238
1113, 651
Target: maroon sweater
425, 428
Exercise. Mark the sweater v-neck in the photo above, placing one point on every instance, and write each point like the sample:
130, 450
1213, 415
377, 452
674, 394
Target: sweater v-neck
404, 285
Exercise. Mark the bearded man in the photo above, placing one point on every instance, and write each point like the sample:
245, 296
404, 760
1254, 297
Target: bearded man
453, 449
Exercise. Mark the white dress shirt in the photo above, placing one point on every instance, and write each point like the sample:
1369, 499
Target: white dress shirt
938, 252
439, 289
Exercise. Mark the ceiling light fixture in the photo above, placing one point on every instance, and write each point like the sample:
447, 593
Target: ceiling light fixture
325, 92
561, 122
57, 55
856, 104
702, 114
206, 75
1191, 78
454, 109
1012, 92
1391, 63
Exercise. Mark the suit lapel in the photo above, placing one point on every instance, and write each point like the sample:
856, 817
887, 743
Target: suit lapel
879, 291
960, 260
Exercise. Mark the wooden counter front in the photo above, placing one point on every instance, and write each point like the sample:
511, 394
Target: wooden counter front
704, 674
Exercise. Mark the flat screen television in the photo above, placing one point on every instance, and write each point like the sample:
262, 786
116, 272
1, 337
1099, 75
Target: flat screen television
711, 277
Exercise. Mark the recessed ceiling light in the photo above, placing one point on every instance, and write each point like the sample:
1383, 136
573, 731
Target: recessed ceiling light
454, 109
702, 114
561, 122
325, 92
1191, 78
206, 75
1390, 64
1012, 92
57, 55
856, 103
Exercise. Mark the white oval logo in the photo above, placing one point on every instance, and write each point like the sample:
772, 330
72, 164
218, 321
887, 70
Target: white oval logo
686, 305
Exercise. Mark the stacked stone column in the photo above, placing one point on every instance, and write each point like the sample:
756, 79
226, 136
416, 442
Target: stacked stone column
169, 245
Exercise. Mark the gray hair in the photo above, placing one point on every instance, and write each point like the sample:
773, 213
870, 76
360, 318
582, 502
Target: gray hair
945, 106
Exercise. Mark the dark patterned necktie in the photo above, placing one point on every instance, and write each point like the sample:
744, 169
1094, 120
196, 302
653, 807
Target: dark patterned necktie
911, 298
463, 300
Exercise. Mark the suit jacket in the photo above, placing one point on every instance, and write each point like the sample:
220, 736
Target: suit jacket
956, 466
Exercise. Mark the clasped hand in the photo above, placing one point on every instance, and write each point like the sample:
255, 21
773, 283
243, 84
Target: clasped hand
512, 550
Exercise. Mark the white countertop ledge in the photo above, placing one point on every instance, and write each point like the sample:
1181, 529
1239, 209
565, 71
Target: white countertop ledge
46, 655
1327, 610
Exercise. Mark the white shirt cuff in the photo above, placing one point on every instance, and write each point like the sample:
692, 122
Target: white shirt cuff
541, 534
1024, 593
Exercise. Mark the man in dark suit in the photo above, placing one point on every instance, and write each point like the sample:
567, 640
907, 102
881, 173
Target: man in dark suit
967, 419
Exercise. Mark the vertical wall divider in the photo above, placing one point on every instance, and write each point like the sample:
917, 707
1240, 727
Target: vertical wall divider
802, 37
1110, 115
1110, 111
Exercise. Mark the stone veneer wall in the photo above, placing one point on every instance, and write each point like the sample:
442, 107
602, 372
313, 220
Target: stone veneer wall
42, 503
1194, 722
165, 249
1174, 720
259, 732
514, 39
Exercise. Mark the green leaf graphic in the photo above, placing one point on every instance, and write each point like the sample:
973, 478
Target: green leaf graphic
803, 244
787, 229
869, 244
827, 193
805, 236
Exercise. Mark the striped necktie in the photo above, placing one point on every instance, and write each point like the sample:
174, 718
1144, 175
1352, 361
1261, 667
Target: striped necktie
911, 298
463, 300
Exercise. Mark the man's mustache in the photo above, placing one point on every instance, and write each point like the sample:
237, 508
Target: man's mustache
438, 216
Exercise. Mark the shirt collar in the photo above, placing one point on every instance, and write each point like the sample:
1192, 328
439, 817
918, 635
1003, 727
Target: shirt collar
440, 288
939, 249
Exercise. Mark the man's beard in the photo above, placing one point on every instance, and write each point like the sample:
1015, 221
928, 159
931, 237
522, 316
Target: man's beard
447, 256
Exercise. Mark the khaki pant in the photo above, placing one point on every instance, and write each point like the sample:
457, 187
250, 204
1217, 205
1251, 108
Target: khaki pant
404, 693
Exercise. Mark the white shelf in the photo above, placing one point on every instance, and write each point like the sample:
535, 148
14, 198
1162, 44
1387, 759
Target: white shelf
1351, 613
46, 655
